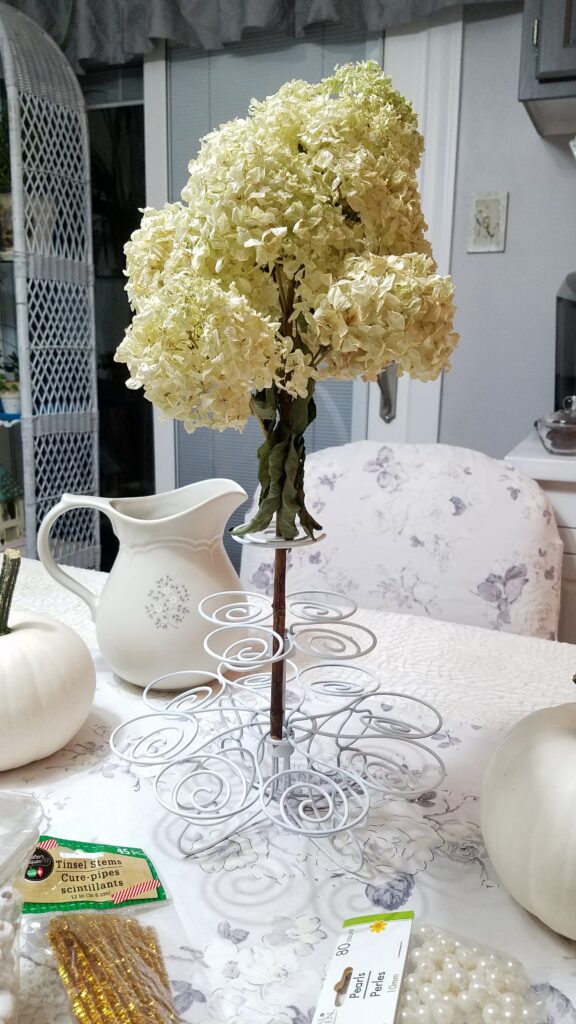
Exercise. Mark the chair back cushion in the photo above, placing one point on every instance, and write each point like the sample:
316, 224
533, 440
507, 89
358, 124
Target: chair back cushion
428, 529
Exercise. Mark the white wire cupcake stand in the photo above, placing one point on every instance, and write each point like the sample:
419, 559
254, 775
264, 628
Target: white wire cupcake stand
346, 739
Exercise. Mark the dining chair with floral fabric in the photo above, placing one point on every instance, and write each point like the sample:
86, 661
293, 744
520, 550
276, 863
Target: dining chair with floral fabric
427, 529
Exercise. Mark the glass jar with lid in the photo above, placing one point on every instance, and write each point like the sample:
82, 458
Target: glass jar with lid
557, 431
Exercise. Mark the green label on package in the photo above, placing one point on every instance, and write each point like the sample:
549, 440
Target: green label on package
66, 875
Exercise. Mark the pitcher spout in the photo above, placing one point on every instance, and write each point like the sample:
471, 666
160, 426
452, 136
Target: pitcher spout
215, 501
180, 503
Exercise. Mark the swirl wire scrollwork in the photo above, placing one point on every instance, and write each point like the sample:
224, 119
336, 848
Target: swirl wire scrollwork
262, 647
320, 606
239, 608
346, 737
159, 739
315, 800
347, 642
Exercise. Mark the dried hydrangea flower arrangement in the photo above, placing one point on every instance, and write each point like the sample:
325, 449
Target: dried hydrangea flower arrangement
297, 254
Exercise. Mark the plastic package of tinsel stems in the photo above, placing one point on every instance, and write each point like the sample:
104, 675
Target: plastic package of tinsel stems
100, 928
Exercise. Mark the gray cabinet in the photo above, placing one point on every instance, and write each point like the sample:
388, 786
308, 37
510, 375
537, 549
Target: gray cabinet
548, 65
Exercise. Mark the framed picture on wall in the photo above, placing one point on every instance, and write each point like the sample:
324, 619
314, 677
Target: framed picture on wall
488, 216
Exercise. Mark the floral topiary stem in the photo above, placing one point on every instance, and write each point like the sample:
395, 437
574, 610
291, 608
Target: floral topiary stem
8, 577
278, 673
281, 464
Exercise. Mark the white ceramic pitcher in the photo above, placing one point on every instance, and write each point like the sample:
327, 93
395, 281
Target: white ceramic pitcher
171, 556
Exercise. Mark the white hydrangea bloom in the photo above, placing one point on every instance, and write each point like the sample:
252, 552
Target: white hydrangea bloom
386, 309
199, 352
297, 253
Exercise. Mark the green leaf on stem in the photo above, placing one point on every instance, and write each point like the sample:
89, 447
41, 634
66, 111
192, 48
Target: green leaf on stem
281, 461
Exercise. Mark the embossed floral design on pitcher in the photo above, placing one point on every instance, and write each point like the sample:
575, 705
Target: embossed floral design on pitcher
169, 603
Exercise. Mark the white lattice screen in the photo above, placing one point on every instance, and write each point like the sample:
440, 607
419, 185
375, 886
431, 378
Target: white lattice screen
53, 280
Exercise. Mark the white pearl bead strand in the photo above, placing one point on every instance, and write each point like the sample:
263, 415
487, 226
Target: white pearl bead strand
10, 905
448, 981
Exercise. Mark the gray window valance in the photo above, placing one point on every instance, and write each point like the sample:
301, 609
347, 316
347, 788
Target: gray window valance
117, 31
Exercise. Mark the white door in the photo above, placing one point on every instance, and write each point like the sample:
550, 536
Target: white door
424, 64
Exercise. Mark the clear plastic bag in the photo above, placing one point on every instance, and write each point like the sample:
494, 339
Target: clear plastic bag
88, 951
453, 980
112, 967
20, 821
96, 926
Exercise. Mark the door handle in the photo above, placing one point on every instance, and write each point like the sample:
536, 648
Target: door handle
387, 381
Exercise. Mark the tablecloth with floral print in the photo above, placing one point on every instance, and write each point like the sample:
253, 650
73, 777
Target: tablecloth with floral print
262, 912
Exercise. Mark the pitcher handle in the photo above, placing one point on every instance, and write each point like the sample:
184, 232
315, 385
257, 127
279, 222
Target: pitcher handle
67, 502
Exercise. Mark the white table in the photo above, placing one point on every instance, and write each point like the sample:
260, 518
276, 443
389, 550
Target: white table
262, 913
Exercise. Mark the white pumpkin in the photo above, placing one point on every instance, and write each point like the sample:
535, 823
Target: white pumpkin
47, 683
527, 803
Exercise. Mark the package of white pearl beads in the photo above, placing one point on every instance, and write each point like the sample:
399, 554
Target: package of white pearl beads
10, 907
450, 981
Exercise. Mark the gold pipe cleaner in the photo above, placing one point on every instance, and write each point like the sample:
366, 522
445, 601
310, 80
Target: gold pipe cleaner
113, 970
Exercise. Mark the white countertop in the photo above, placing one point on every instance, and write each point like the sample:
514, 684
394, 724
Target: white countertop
532, 459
